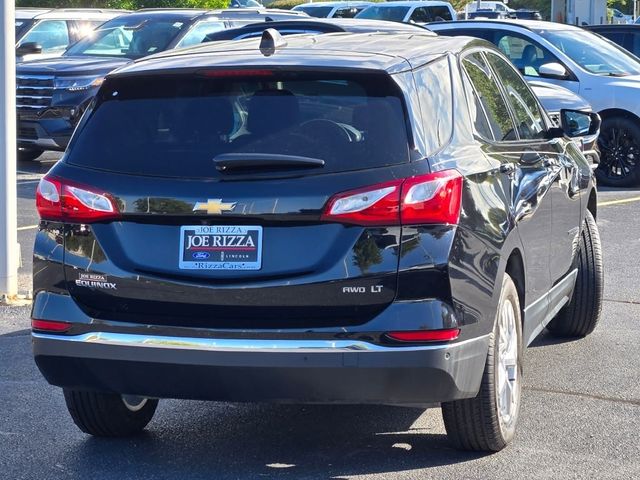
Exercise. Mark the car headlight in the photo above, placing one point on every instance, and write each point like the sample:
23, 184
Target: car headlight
76, 84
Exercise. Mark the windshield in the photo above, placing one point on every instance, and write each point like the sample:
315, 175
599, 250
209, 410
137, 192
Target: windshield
21, 27
319, 12
174, 126
393, 14
593, 53
130, 37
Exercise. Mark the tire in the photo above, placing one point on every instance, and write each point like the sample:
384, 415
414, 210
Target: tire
488, 421
580, 317
108, 415
619, 145
29, 154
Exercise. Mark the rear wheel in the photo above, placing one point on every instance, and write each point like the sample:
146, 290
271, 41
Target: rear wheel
29, 154
488, 421
581, 315
109, 415
619, 145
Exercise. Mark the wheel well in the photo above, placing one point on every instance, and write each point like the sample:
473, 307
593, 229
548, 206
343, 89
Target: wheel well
617, 112
592, 205
515, 269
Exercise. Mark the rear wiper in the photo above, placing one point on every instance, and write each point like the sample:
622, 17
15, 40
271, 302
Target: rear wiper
238, 161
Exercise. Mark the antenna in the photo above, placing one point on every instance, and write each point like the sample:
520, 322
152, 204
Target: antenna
270, 41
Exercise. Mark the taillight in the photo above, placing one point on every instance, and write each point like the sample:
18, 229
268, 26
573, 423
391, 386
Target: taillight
424, 199
61, 200
443, 335
50, 326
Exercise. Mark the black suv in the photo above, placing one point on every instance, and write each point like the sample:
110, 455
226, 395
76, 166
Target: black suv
52, 94
345, 218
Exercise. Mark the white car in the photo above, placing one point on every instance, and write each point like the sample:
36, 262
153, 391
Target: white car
607, 76
45, 33
332, 9
493, 6
410, 12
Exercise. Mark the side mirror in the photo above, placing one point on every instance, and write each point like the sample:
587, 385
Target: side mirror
579, 124
553, 70
28, 48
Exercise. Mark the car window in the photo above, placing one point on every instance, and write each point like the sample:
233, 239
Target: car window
436, 103
318, 12
348, 12
420, 15
524, 53
52, 35
486, 87
592, 52
81, 28
440, 13
391, 13
129, 37
527, 112
175, 125
476, 110
199, 32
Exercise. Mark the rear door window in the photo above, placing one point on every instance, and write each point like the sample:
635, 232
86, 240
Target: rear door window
523, 103
177, 125
487, 89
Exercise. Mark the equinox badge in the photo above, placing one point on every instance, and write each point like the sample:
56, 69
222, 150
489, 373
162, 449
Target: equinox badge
214, 206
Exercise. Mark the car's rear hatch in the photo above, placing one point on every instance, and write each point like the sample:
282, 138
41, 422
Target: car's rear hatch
219, 180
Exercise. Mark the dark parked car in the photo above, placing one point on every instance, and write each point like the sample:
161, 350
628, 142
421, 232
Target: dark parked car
351, 218
52, 94
626, 36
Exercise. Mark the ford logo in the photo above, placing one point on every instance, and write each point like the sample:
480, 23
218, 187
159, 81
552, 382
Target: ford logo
200, 255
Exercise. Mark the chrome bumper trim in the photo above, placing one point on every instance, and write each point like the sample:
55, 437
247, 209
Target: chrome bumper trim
239, 345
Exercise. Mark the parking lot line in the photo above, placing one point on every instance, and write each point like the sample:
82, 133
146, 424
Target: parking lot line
618, 202
28, 227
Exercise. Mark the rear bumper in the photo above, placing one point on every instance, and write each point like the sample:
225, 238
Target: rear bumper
284, 371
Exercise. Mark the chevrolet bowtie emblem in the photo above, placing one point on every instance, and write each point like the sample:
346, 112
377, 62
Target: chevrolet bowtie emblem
214, 206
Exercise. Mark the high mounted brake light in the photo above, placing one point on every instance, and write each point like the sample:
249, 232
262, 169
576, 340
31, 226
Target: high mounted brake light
61, 200
424, 199
246, 72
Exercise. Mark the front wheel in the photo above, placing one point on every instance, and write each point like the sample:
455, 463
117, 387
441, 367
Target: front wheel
107, 414
619, 145
488, 421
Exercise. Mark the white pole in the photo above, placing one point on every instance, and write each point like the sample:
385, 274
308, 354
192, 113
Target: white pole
9, 251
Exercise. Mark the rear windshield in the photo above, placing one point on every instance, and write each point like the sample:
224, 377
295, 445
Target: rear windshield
319, 12
176, 126
392, 13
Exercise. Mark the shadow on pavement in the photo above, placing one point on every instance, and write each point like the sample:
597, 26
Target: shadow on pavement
255, 441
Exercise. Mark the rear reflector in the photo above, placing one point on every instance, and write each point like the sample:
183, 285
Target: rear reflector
424, 199
50, 326
61, 200
426, 335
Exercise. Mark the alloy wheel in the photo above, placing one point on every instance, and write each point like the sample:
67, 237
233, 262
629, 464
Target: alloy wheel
508, 381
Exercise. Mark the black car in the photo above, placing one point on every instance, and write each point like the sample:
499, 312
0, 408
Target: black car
344, 218
627, 36
53, 94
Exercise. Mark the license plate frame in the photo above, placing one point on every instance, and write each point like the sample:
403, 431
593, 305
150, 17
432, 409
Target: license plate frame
220, 247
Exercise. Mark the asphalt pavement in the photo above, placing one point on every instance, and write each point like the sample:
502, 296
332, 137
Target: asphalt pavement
580, 415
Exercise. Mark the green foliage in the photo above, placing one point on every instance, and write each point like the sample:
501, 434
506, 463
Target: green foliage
126, 4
